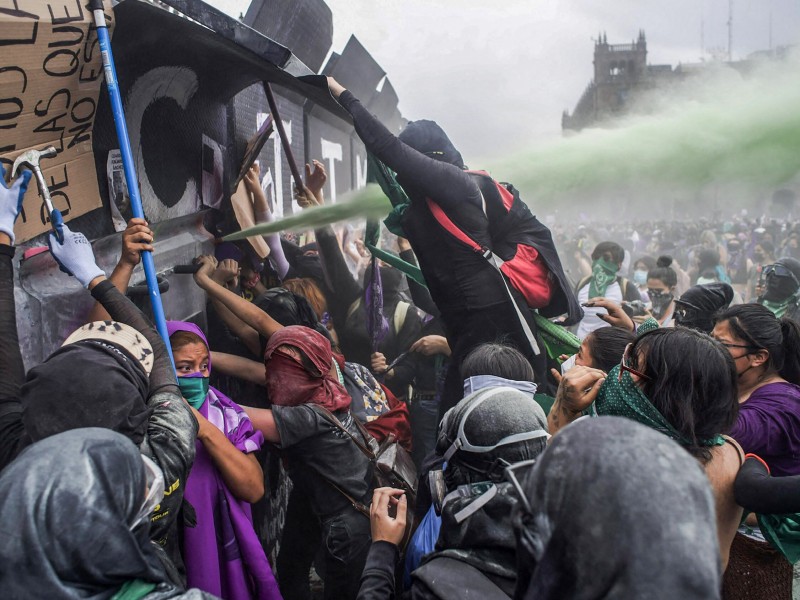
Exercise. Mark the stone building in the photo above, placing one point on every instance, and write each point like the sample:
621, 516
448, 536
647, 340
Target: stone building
621, 73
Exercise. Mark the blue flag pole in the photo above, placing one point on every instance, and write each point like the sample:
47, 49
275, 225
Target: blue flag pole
132, 180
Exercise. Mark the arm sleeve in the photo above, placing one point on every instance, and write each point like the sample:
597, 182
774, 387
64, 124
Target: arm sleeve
446, 183
377, 579
346, 288
757, 492
12, 371
295, 424
170, 442
276, 255
752, 430
162, 377
419, 293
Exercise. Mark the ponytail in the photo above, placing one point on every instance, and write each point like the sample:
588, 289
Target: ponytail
664, 272
790, 370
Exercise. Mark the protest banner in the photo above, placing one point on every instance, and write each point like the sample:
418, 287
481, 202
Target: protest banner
51, 74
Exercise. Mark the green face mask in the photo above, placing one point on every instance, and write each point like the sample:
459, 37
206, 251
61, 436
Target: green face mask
604, 273
194, 389
621, 397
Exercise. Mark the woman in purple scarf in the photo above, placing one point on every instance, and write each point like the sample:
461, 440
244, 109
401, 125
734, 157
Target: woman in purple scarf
222, 553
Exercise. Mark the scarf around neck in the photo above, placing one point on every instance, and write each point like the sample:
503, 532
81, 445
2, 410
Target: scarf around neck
779, 308
604, 273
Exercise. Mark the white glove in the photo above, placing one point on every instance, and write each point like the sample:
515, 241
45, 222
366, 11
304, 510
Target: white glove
75, 256
11, 201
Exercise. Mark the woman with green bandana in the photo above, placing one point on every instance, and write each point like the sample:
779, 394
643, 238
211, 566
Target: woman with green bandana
222, 553
681, 383
781, 286
607, 259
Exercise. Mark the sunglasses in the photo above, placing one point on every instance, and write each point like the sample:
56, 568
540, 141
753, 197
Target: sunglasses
779, 270
623, 365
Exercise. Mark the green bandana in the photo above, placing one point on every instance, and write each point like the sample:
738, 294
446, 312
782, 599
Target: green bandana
194, 389
649, 324
778, 308
134, 590
625, 399
604, 273
783, 532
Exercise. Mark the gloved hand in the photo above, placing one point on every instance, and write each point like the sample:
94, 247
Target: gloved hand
11, 201
75, 256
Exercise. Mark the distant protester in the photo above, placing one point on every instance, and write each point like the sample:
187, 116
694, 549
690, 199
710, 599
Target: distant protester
604, 282
661, 283
781, 286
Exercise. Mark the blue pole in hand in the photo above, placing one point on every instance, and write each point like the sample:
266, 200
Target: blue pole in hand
132, 180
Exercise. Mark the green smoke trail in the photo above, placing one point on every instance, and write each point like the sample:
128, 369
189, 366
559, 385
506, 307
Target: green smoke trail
368, 202
747, 133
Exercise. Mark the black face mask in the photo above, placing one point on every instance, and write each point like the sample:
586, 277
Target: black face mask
779, 288
693, 319
660, 301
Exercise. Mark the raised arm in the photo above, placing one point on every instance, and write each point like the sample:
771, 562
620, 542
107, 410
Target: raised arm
263, 214
346, 288
446, 183
244, 310
239, 367
136, 238
224, 272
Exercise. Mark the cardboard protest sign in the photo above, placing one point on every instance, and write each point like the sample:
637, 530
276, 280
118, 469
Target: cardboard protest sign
51, 74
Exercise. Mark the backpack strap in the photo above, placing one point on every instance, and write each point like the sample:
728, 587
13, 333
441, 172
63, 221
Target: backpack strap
491, 258
331, 418
400, 313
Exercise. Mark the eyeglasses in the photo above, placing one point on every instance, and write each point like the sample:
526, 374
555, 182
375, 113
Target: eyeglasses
623, 365
779, 270
512, 478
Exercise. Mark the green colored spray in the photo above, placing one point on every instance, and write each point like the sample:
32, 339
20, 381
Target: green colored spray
368, 202
751, 137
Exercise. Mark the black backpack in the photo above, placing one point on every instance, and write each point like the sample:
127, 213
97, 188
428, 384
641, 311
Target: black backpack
448, 578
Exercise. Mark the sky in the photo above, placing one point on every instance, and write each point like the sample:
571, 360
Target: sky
497, 75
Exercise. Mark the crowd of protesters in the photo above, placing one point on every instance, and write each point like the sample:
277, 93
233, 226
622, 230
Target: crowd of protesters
604, 412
